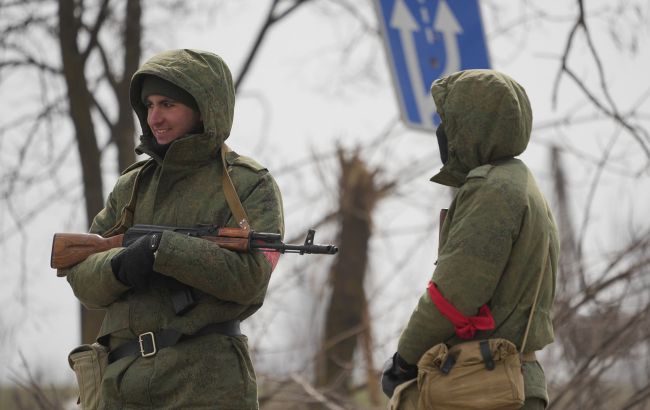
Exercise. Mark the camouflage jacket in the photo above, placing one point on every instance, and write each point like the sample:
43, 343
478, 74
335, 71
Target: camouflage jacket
492, 242
184, 189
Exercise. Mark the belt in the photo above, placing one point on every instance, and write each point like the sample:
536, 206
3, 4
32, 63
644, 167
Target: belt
149, 343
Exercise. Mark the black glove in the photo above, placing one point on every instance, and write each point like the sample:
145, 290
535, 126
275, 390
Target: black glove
396, 371
134, 265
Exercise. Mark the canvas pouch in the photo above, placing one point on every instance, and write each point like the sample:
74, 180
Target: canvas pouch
405, 396
89, 362
483, 374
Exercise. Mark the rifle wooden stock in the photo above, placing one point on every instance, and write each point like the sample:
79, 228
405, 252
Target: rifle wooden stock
68, 249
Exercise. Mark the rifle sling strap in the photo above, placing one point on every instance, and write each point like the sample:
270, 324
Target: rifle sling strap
234, 203
125, 220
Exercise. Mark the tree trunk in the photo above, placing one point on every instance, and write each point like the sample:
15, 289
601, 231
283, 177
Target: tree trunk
80, 104
345, 320
124, 130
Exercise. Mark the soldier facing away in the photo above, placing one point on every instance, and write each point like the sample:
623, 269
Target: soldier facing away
174, 302
498, 240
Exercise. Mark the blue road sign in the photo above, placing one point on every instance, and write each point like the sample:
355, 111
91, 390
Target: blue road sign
426, 40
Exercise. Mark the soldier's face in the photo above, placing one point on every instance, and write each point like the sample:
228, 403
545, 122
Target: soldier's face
170, 119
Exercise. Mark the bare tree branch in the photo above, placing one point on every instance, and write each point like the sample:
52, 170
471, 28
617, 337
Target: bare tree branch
581, 25
271, 19
93, 31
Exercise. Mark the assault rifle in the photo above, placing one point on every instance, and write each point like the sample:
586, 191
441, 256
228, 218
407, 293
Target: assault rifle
68, 249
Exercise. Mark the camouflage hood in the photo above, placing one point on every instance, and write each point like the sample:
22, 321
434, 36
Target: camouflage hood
206, 77
476, 135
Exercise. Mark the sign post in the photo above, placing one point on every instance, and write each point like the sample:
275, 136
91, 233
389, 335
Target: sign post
426, 40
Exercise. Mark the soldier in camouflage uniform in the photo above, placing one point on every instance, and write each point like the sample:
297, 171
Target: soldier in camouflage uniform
184, 100
491, 245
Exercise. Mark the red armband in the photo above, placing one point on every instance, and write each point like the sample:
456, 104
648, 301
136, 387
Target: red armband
466, 326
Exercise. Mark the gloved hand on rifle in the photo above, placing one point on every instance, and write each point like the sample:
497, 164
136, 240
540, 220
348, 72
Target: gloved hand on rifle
396, 371
134, 265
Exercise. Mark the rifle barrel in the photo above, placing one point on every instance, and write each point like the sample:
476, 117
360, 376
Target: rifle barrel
301, 249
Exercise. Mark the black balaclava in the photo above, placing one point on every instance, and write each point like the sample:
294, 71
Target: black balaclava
442, 143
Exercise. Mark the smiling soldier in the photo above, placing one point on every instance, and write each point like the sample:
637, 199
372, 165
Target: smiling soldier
174, 302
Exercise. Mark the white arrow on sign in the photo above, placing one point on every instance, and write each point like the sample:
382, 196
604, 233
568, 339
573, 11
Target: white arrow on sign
447, 24
403, 21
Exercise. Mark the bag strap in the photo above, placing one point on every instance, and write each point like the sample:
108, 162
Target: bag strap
539, 286
125, 219
234, 203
